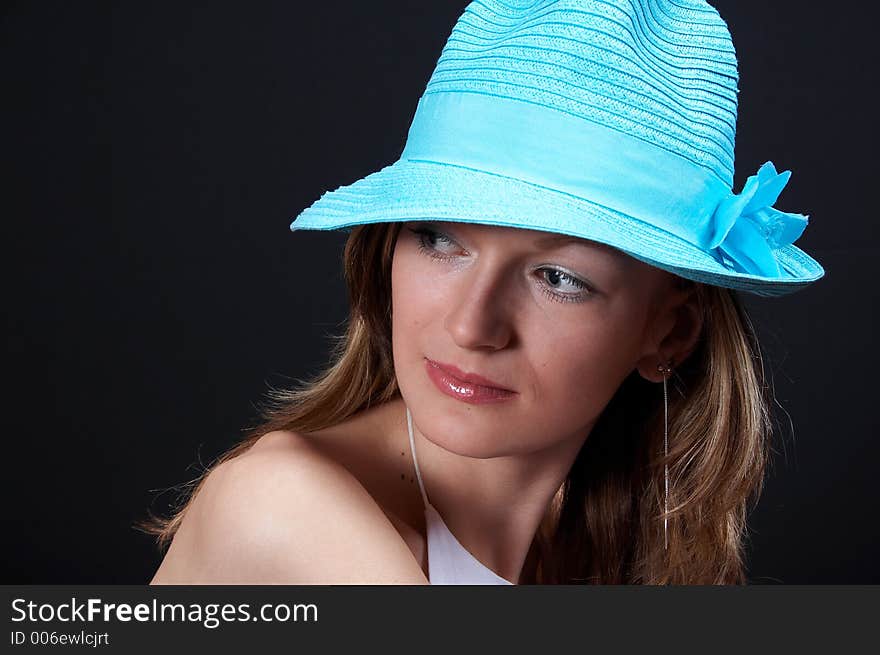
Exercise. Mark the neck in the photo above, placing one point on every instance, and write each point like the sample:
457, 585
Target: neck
493, 505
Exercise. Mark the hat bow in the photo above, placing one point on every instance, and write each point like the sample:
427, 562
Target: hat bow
747, 228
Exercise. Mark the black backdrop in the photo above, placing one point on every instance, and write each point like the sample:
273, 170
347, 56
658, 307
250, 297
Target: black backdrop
155, 154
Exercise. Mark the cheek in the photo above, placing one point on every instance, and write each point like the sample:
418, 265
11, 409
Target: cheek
412, 307
409, 296
578, 369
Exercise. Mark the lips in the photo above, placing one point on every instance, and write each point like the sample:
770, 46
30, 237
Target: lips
468, 392
470, 378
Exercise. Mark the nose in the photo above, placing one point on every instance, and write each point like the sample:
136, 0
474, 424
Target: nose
481, 317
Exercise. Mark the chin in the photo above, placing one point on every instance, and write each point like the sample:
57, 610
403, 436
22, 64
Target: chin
461, 430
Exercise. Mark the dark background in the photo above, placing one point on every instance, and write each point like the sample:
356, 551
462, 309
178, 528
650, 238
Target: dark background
155, 154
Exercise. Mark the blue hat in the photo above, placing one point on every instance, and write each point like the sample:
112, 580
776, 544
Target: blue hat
609, 120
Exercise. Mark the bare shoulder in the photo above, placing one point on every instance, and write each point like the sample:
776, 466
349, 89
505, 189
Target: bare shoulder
285, 513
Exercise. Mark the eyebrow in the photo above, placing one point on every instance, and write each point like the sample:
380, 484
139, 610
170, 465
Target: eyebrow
558, 240
562, 239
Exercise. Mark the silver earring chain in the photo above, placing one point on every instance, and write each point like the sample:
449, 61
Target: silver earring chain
665, 369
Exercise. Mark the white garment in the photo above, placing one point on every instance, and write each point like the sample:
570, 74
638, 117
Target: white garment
449, 562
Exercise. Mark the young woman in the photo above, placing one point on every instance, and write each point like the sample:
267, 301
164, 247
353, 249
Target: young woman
548, 376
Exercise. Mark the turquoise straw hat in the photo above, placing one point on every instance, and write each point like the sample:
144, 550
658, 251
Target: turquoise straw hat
609, 120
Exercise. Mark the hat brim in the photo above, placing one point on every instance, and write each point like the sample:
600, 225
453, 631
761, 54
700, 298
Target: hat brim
422, 190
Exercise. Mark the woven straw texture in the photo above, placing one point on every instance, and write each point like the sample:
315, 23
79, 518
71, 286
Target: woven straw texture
661, 71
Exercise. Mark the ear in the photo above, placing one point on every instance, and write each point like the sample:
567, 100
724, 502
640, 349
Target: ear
673, 333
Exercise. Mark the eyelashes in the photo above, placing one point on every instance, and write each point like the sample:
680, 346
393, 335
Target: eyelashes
422, 234
425, 236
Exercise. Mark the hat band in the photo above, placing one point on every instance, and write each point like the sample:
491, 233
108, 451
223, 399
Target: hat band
563, 152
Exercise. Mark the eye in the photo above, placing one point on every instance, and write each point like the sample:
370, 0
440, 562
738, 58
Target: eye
428, 241
556, 284
556, 277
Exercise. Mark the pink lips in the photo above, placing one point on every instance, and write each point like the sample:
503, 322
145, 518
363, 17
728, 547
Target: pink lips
468, 387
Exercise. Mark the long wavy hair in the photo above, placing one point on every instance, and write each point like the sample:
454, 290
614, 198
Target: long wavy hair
605, 523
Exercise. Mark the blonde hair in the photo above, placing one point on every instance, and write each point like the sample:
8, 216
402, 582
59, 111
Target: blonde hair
605, 524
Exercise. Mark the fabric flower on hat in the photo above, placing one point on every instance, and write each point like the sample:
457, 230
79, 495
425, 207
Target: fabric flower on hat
748, 228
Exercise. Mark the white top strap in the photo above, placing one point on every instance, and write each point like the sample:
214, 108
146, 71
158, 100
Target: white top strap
412, 447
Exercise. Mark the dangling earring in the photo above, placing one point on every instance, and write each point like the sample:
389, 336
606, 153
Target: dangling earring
665, 370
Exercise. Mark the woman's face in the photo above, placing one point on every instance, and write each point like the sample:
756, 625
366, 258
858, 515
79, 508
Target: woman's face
561, 322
